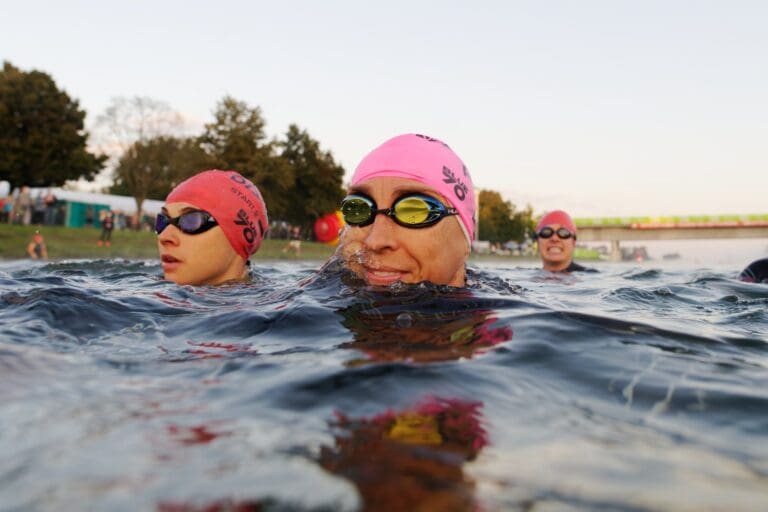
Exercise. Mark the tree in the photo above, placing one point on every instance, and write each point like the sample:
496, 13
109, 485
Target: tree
498, 221
149, 169
317, 189
42, 140
236, 140
137, 119
134, 132
236, 135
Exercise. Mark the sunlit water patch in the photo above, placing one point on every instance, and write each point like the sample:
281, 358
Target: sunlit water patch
629, 389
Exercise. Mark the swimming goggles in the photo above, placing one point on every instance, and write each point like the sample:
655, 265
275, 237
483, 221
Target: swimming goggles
409, 210
562, 233
191, 223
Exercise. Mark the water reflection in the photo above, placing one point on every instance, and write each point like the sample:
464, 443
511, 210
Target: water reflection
399, 334
410, 459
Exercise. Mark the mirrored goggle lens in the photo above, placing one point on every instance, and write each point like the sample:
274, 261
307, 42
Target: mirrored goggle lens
190, 223
357, 210
161, 222
416, 210
562, 233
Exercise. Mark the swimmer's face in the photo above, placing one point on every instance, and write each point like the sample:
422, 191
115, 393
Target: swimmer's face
556, 253
383, 252
204, 258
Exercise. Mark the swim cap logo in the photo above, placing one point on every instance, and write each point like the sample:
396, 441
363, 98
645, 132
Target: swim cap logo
249, 231
460, 189
431, 139
247, 184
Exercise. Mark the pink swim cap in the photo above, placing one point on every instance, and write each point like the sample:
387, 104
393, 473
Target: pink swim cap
428, 161
234, 202
557, 217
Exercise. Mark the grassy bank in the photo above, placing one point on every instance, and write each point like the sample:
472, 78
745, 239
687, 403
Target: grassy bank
65, 243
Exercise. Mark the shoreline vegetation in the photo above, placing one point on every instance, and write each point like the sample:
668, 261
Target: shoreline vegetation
68, 243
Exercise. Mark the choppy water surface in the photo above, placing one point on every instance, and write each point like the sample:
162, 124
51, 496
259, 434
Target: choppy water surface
632, 389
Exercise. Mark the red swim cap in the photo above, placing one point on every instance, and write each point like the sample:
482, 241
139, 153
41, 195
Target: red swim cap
557, 217
234, 202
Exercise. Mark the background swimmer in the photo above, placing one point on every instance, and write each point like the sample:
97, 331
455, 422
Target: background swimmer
410, 214
36, 248
756, 272
556, 237
209, 227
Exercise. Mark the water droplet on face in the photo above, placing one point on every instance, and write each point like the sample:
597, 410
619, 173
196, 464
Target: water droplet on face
404, 320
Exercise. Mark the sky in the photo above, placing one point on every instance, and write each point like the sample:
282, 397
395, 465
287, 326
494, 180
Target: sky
602, 108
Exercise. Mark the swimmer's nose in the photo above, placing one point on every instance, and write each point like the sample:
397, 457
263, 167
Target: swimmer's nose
170, 235
382, 234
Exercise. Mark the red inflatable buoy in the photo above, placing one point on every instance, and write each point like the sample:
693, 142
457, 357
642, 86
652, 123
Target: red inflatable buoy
327, 228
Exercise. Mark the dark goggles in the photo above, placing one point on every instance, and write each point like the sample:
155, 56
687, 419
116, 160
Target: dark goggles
562, 233
191, 223
409, 210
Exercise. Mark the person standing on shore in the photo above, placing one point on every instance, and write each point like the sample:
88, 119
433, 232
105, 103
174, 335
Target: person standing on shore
107, 225
24, 202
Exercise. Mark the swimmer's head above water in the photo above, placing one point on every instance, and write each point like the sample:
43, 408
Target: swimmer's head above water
209, 227
556, 238
410, 214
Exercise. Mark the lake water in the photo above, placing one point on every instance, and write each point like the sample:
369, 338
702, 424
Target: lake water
636, 388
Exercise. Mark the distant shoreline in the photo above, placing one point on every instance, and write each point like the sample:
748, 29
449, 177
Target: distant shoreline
80, 243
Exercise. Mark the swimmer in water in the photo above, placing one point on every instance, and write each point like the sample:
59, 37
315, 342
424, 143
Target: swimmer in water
556, 237
756, 272
209, 227
410, 214
36, 249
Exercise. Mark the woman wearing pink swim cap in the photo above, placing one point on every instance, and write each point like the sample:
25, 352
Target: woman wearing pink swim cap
209, 227
410, 214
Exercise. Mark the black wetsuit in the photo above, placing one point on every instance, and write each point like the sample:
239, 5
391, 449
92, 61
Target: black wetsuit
575, 267
756, 272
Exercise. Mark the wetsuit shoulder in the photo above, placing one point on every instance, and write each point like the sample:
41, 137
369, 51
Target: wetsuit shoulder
575, 267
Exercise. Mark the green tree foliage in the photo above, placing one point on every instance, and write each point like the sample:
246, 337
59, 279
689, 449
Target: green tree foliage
498, 220
236, 141
317, 189
149, 169
42, 141
236, 135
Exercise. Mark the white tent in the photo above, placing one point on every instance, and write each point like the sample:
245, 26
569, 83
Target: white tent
125, 204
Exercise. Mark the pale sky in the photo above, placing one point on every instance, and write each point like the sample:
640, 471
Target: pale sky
597, 107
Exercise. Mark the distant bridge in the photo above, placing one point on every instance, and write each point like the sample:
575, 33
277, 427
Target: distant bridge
693, 227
